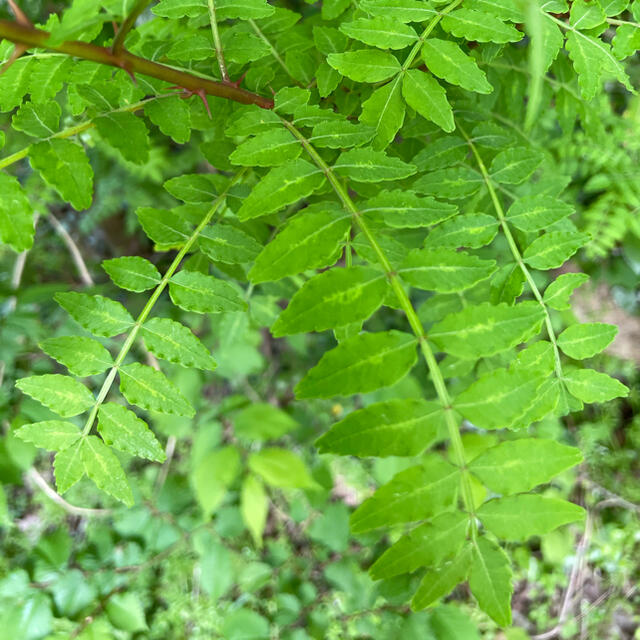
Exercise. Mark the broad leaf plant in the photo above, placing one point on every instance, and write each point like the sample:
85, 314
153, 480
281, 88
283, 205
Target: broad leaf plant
364, 159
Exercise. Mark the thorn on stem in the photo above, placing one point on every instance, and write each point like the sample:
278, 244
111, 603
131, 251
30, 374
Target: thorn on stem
187, 93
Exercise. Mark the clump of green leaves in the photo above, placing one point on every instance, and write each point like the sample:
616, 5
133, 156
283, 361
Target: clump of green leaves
401, 175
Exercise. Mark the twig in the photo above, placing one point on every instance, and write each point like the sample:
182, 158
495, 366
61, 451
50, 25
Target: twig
85, 276
217, 43
128, 23
33, 475
169, 450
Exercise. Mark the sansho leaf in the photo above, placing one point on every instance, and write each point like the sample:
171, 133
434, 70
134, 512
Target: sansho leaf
97, 314
403, 209
341, 135
384, 110
472, 230
267, 149
557, 294
62, 394
365, 65
53, 435
592, 386
381, 31
534, 213
479, 26
332, 299
225, 243
163, 227
428, 98
581, 341
367, 165
16, 215
360, 364
68, 467
82, 356
195, 291
132, 273
392, 428
515, 165
553, 249
102, 466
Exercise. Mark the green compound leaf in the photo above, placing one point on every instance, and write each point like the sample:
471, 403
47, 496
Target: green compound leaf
438, 583
281, 187
127, 133
172, 116
101, 465
499, 398
367, 165
64, 165
365, 65
480, 27
68, 467
392, 428
263, 421
423, 93
479, 331
515, 165
132, 273
490, 580
557, 294
381, 32
425, 546
581, 341
53, 435
384, 110
341, 135
402, 209
37, 120
174, 342
449, 62
122, 429
554, 248
443, 270
414, 494
535, 213
97, 314
254, 507
150, 389
520, 465
16, 215
195, 291
225, 243
164, 227
471, 230
310, 240
518, 518
333, 299
267, 149
281, 468
63, 395
360, 364
82, 356
592, 386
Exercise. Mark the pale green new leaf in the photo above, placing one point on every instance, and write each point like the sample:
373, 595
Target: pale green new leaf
310, 240
334, 298
554, 248
360, 364
384, 110
367, 165
281, 468
174, 342
490, 580
557, 294
62, 394
449, 62
365, 65
534, 213
444, 270
403, 209
254, 507
425, 546
82, 356
472, 230
133, 273
195, 291
440, 582
64, 165
16, 215
97, 314
480, 331
499, 398
517, 466
515, 165
53, 435
392, 428
68, 467
417, 493
423, 93
102, 466
150, 389
478, 26
281, 187
262, 421
382, 31
581, 341
213, 475
592, 386
267, 149
122, 429
518, 518
226, 243
164, 227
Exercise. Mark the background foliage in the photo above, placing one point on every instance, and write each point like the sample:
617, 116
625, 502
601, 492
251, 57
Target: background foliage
412, 130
